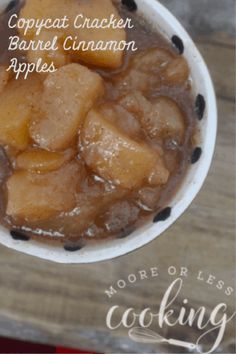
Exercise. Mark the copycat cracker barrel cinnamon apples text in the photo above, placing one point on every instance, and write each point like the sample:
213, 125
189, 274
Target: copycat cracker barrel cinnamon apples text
100, 145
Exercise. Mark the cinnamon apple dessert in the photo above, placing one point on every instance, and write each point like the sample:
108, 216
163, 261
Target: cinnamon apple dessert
97, 147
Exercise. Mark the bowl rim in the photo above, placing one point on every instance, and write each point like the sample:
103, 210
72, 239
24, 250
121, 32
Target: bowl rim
112, 249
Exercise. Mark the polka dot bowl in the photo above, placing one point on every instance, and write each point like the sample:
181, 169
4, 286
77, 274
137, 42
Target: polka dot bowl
163, 21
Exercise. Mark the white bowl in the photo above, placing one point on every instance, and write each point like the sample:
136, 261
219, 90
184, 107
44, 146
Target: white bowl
167, 24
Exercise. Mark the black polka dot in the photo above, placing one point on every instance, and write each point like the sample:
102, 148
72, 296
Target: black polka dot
178, 43
163, 215
196, 154
72, 248
19, 236
200, 106
130, 4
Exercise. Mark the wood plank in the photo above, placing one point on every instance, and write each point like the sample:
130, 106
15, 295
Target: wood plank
222, 60
205, 17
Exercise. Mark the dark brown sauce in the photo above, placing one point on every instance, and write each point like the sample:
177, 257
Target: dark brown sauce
125, 212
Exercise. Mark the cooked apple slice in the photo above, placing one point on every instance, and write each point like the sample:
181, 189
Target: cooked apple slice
68, 95
39, 160
161, 119
16, 103
152, 61
92, 200
166, 120
122, 119
58, 57
176, 72
101, 10
89, 206
116, 157
144, 71
39, 10
32, 196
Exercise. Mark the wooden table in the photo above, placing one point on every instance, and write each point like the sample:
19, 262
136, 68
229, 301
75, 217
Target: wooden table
59, 304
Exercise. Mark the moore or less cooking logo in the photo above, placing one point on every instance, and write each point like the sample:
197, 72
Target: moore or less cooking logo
174, 309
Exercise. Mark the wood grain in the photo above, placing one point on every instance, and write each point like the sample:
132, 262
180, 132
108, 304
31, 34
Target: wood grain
66, 305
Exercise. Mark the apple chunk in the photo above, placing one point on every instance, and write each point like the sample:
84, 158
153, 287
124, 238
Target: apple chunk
39, 160
16, 103
176, 72
92, 10
58, 57
117, 158
162, 119
100, 11
68, 95
39, 10
32, 196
